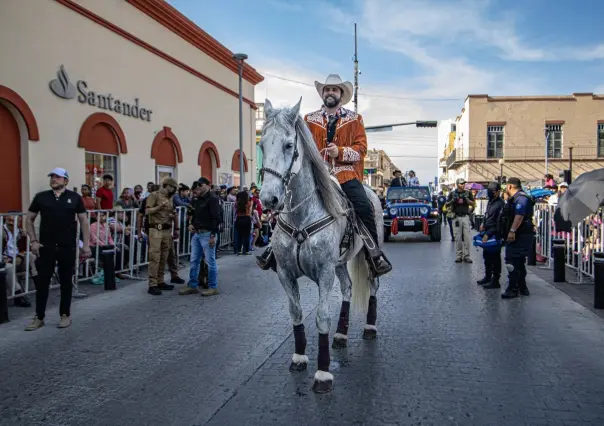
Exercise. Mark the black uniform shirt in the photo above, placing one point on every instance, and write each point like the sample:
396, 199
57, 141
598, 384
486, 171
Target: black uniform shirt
58, 225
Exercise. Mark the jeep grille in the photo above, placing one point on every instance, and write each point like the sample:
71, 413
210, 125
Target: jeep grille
409, 212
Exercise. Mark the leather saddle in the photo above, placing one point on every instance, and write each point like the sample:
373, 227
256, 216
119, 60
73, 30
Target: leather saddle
354, 226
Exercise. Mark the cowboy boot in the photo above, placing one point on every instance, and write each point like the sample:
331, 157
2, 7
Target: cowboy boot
267, 260
377, 260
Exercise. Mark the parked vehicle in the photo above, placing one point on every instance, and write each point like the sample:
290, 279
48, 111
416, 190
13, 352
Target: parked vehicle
411, 209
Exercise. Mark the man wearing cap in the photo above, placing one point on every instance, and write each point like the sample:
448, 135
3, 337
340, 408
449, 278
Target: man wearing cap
459, 204
340, 136
398, 179
490, 228
518, 215
58, 209
205, 222
161, 212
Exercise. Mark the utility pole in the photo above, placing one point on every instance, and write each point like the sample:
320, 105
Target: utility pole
546, 131
356, 72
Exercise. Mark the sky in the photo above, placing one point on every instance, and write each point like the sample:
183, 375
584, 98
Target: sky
418, 59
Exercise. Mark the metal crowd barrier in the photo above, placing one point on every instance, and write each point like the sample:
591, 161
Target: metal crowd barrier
584, 239
118, 228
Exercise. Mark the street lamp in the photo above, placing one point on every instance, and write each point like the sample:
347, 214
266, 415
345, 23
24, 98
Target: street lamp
501, 163
240, 58
388, 127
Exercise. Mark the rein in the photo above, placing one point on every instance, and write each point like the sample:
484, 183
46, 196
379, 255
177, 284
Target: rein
298, 235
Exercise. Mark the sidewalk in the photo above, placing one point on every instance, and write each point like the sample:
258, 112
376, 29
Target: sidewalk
582, 293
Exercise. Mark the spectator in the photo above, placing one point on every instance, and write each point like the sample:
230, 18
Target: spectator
104, 195
89, 202
127, 200
204, 224
243, 223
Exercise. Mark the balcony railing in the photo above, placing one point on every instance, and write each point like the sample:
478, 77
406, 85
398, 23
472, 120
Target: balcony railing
521, 153
452, 158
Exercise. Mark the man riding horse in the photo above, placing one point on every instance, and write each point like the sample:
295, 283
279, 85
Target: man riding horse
340, 136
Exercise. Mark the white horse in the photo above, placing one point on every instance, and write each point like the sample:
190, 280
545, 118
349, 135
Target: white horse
312, 222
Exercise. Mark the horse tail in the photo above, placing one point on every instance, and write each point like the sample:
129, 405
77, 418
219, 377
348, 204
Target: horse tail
359, 274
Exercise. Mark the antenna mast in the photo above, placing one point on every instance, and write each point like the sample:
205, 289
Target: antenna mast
356, 72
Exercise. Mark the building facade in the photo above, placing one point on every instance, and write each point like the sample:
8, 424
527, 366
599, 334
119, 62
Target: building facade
126, 87
378, 169
446, 139
507, 136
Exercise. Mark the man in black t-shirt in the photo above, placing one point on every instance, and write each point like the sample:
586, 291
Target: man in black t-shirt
58, 208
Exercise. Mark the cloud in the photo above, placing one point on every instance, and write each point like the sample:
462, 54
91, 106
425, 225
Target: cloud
442, 38
454, 24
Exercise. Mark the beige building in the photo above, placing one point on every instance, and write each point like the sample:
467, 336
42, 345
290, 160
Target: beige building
507, 134
379, 168
126, 87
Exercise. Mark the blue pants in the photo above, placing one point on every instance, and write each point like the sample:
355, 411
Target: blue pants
200, 246
515, 256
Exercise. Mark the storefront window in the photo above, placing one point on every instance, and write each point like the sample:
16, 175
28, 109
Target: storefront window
162, 172
98, 165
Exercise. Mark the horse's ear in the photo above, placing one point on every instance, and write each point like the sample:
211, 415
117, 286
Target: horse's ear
295, 111
268, 107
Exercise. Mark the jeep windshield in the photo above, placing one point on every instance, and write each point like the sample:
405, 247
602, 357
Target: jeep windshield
408, 192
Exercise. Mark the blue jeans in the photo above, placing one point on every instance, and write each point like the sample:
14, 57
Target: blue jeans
200, 246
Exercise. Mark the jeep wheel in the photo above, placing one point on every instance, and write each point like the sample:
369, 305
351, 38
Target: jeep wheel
386, 234
435, 233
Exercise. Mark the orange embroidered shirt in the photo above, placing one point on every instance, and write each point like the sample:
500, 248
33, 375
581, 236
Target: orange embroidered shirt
350, 138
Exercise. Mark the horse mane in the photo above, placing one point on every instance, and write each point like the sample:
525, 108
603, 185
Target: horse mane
331, 198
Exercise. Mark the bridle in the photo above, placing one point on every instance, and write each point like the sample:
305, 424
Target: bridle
288, 175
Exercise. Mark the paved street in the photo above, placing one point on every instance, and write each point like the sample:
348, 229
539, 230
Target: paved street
448, 353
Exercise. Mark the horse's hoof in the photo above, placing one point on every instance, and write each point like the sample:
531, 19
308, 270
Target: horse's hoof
323, 382
296, 367
369, 334
339, 343
322, 387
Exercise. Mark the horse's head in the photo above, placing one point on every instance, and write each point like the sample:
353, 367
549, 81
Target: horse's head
281, 151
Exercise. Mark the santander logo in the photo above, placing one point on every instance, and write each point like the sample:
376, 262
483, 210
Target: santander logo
62, 86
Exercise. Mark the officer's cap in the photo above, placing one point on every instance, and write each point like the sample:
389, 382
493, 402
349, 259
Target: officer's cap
170, 181
493, 186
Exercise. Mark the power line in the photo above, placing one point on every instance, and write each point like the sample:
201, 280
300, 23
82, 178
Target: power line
432, 157
369, 95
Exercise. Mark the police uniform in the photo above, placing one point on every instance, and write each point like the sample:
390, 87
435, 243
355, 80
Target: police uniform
492, 256
517, 251
160, 236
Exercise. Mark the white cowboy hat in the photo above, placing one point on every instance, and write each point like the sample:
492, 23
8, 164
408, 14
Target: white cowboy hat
335, 80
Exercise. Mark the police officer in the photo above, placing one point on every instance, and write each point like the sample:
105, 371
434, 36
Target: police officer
518, 215
459, 205
491, 228
161, 212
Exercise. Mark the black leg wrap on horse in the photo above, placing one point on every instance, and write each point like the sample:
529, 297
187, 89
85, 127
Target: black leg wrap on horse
372, 311
300, 339
323, 361
343, 321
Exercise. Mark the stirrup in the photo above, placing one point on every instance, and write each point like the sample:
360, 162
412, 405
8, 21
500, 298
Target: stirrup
267, 260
